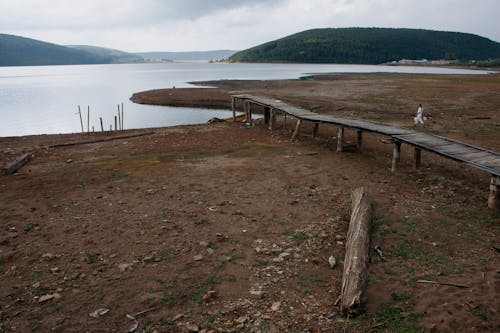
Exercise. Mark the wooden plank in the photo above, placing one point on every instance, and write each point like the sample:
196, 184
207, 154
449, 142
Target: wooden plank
355, 273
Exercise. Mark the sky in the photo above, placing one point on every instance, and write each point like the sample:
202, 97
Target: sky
196, 25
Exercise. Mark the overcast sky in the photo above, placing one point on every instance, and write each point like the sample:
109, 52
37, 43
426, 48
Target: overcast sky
187, 25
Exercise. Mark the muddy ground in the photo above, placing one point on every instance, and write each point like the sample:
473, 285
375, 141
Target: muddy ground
228, 228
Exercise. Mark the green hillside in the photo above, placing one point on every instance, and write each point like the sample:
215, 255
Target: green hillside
370, 46
21, 51
117, 56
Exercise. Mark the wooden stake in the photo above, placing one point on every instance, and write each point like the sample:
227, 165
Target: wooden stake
340, 139
122, 117
396, 154
81, 120
418, 158
116, 124
297, 129
494, 199
102, 127
355, 272
88, 118
119, 118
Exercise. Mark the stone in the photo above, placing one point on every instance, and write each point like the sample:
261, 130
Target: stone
275, 306
198, 257
49, 297
192, 327
242, 320
332, 261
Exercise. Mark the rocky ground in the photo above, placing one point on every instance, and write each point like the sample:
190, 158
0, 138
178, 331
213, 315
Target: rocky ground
229, 228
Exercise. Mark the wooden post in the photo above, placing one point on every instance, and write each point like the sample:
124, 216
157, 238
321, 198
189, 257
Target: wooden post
494, 199
272, 118
119, 118
340, 139
359, 143
233, 109
297, 129
267, 115
418, 158
355, 272
396, 155
18, 164
249, 109
102, 127
122, 117
315, 130
88, 118
116, 124
81, 120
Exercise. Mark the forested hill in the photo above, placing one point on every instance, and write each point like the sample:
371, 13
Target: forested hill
370, 46
21, 51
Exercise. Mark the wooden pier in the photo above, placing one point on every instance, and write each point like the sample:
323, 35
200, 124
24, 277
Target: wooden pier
476, 157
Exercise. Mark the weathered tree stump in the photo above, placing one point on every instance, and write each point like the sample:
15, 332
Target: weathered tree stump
356, 259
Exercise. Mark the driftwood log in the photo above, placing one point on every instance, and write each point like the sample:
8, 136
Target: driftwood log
18, 164
355, 272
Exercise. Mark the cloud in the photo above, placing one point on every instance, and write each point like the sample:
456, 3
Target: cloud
182, 25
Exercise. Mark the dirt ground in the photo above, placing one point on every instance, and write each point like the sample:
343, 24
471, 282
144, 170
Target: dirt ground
228, 228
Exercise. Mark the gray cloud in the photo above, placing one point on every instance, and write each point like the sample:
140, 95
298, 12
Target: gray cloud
196, 25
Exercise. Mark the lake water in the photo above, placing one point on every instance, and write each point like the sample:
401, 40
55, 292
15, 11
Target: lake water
45, 99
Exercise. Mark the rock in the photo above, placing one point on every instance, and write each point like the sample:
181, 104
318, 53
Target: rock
210, 251
54, 270
198, 257
99, 312
192, 327
124, 267
36, 285
276, 306
332, 261
48, 297
242, 320
177, 317
209, 295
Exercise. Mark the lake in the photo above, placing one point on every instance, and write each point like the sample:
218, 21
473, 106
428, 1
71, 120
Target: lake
45, 99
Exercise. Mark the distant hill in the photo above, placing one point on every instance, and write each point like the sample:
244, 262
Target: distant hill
21, 51
370, 46
117, 56
188, 56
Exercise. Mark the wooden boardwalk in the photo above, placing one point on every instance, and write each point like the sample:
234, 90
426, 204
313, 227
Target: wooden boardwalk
476, 157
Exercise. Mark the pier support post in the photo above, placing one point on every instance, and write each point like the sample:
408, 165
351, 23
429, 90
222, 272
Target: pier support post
233, 109
396, 156
340, 139
248, 108
267, 115
297, 129
315, 130
494, 199
272, 119
418, 158
359, 143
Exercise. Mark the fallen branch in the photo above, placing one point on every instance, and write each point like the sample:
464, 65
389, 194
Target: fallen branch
444, 283
100, 140
18, 164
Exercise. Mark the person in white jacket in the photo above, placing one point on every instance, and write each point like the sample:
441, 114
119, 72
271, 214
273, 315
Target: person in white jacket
419, 119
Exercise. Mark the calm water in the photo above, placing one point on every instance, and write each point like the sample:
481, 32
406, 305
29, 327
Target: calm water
44, 99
